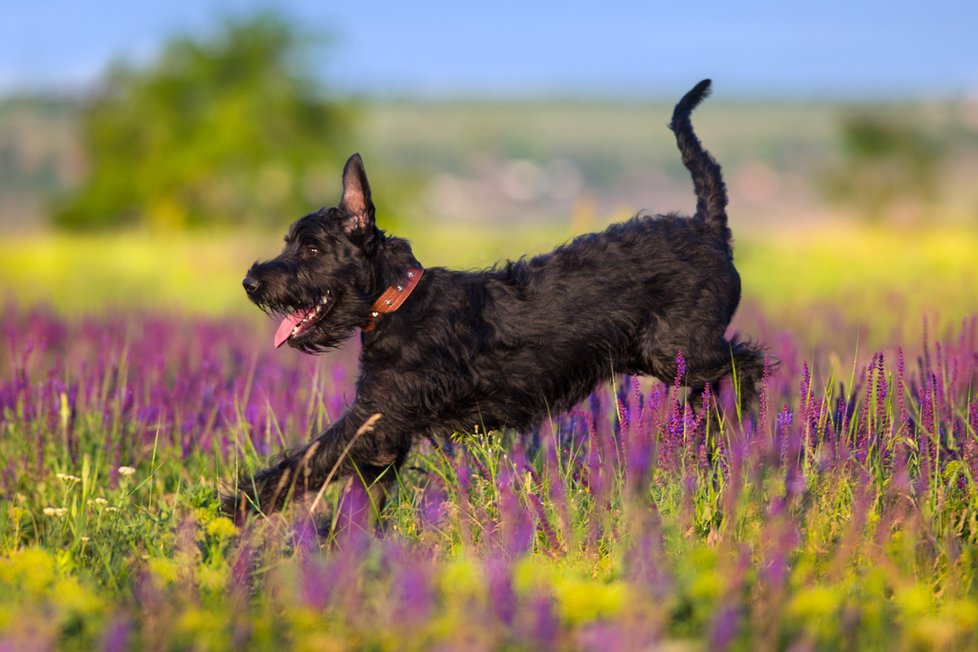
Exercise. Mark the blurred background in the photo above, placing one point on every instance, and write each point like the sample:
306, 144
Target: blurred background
149, 152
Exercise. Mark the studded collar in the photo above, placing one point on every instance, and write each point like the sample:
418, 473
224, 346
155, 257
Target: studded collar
393, 297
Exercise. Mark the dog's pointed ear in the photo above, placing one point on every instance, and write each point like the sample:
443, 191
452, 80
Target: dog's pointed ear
356, 201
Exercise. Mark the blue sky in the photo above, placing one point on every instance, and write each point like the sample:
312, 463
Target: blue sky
833, 48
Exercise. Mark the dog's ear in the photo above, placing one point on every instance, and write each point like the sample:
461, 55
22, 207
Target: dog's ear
356, 201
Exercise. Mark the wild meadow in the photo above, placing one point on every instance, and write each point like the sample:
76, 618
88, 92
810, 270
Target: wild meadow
839, 513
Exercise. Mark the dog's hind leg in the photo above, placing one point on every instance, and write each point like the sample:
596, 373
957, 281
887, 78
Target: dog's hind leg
742, 361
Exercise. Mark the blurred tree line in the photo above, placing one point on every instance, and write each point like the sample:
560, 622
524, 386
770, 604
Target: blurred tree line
233, 128
885, 161
227, 129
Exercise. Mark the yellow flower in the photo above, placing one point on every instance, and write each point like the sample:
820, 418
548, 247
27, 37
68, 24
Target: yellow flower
462, 578
222, 528
815, 603
68, 594
165, 570
582, 600
31, 568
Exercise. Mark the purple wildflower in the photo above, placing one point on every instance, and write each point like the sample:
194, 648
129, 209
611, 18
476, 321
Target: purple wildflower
969, 447
118, 635
725, 627
783, 431
318, 580
412, 587
762, 397
543, 626
804, 392
622, 415
550, 535
502, 598
517, 532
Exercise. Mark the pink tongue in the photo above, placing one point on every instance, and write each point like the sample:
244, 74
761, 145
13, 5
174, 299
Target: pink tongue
287, 326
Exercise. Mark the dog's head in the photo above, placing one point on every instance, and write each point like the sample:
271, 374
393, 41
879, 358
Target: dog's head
328, 274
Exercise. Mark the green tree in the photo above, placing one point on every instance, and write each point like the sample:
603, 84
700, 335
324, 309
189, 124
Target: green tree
885, 161
221, 130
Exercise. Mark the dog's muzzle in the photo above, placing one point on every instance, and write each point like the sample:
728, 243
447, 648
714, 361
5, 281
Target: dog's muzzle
251, 284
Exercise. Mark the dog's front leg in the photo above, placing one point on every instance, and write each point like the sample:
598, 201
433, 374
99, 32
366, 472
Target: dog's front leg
357, 441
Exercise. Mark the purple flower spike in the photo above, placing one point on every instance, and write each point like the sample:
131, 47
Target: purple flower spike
969, 447
432, 502
117, 635
725, 627
318, 581
354, 514
680, 370
784, 430
502, 598
544, 624
763, 394
412, 586
304, 535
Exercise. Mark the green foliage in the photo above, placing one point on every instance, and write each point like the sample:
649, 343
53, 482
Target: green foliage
886, 160
220, 130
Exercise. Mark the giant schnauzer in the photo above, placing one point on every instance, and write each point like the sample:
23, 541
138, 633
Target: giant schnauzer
443, 349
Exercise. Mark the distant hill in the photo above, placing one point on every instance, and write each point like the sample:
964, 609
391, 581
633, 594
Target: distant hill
519, 160
40, 156
516, 161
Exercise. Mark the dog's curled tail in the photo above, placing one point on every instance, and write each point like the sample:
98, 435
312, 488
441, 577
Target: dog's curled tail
711, 193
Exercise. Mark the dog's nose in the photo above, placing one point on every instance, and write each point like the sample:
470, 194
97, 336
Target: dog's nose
250, 284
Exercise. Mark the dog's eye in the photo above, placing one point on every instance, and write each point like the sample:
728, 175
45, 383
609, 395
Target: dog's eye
312, 250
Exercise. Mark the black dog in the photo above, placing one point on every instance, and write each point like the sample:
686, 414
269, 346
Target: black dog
444, 350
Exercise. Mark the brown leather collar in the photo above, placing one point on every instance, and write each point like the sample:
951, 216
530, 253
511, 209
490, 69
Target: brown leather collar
393, 297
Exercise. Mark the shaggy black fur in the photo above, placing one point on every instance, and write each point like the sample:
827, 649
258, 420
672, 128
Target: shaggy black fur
507, 346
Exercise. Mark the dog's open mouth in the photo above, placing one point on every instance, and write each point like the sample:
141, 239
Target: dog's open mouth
301, 321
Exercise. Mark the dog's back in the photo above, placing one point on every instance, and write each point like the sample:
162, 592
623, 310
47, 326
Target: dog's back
536, 335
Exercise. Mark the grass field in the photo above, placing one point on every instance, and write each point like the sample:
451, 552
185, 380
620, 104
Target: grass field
843, 514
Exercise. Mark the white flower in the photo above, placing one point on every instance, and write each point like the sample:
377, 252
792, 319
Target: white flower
100, 501
112, 509
67, 477
126, 470
55, 511
84, 539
